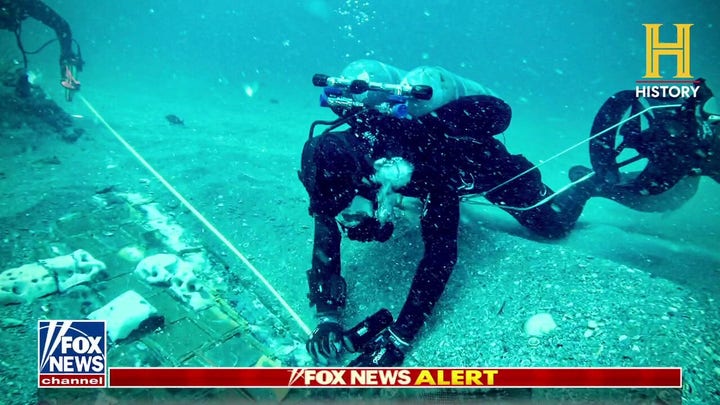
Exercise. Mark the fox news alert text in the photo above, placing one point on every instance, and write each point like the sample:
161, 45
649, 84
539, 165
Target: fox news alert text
276, 377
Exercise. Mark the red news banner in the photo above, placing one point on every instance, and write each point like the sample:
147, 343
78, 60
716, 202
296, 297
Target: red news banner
260, 377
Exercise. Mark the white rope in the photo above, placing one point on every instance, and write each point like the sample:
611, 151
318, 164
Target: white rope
201, 218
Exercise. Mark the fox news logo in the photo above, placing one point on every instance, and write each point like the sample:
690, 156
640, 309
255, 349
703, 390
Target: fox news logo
71, 353
654, 84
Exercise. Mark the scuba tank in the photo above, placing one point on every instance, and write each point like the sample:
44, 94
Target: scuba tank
372, 71
369, 84
446, 87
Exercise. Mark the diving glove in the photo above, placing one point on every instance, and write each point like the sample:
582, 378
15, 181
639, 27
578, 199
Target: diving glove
360, 223
370, 229
329, 341
325, 345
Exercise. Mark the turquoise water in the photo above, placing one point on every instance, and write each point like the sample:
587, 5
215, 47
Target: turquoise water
560, 56
238, 73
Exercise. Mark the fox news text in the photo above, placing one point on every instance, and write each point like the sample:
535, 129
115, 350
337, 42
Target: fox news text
71, 353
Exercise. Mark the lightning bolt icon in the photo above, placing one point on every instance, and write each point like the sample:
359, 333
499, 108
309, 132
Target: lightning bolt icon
297, 373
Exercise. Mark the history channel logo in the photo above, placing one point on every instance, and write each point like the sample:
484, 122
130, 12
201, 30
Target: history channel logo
654, 85
71, 354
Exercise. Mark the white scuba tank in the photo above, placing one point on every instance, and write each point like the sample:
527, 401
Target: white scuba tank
446, 87
371, 70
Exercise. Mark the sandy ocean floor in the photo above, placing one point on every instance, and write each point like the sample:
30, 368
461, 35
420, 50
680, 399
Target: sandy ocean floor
650, 283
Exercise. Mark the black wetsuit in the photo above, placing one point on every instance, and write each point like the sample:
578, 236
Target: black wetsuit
454, 152
13, 12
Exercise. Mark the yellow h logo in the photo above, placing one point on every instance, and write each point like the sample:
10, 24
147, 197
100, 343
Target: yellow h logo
654, 49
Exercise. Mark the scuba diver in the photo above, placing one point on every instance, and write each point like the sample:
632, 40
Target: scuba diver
14, 12
677, 137
427, 134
